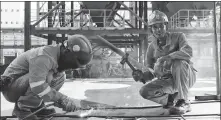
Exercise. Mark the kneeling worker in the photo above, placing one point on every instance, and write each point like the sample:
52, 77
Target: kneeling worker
36, 76
169, 55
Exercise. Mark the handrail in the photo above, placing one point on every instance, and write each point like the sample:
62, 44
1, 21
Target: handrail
181, 19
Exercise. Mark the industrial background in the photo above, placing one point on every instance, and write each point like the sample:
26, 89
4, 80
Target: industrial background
121, 23
25, 25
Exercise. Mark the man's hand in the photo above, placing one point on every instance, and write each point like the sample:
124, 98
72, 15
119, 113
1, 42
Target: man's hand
164, 58
142, 76
68, 104
137, 75
163, 66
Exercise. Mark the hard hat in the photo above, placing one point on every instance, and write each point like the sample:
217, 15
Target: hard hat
157, 17
81, 47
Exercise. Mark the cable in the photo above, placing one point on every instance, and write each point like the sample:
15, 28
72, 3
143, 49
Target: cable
37, 111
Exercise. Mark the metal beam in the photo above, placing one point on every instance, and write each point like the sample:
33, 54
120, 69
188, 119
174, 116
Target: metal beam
63, 22
111, 38
38, 11
18, 46
140, 27
72, 14
87, 31
145, 13
12, 30
122, 42
133, 8
41, 35
121, 37
136, 25
103, 31
146, 41
219, 86
125, 20
133, 13
186, 31
57, 6
1, 49
72, 19
140, 13
50, 36
27, 26
216, 51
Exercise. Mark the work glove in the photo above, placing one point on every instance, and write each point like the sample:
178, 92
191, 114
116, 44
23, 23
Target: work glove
164, 58
162, 68
137, 75
142, 76
68, 104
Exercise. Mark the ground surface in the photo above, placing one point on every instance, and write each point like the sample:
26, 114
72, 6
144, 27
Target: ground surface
121, 93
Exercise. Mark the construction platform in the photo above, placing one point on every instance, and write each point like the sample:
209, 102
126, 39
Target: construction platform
123, 102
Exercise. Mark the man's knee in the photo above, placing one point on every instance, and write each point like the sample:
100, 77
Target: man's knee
16, 89
150, 91
180, 64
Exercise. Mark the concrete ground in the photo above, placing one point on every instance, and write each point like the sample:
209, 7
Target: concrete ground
120, 92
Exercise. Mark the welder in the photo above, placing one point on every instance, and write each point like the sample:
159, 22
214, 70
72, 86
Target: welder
36, 76
169, 55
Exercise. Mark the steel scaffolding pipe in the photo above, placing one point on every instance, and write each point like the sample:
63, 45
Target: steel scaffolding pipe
216, 51
133, 13
218, 86
50, 24
57, 6
27, 26
1, 52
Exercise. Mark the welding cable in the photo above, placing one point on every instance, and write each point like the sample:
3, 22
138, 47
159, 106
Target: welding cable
182, 117
150, 116
48, 105
50, 116
145, 107
106, 108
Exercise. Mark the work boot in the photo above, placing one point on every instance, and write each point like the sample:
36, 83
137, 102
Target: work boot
45, 111
170, 101
22, 113
182, 106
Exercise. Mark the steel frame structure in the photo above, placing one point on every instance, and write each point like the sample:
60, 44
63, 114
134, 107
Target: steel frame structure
140, 30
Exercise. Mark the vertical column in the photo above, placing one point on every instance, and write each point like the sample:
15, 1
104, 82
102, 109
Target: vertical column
37, 12
136, 51
132, 18
216, 51
140, 36
81, 17
63, 19
27, 26
140, 13
1, 49
50, 36
219, 82
72, 14
136, 26
145, 28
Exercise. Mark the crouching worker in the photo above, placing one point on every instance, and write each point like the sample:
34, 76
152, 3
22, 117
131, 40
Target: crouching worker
36, 76
169, 56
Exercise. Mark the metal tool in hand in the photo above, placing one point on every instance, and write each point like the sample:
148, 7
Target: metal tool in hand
51, 104
135, 71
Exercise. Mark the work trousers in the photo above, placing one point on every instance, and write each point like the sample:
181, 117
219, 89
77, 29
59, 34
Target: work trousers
183, 78
19, 91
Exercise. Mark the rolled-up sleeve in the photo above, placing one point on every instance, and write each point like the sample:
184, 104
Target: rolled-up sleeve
185, 50
149, 57
38, 69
